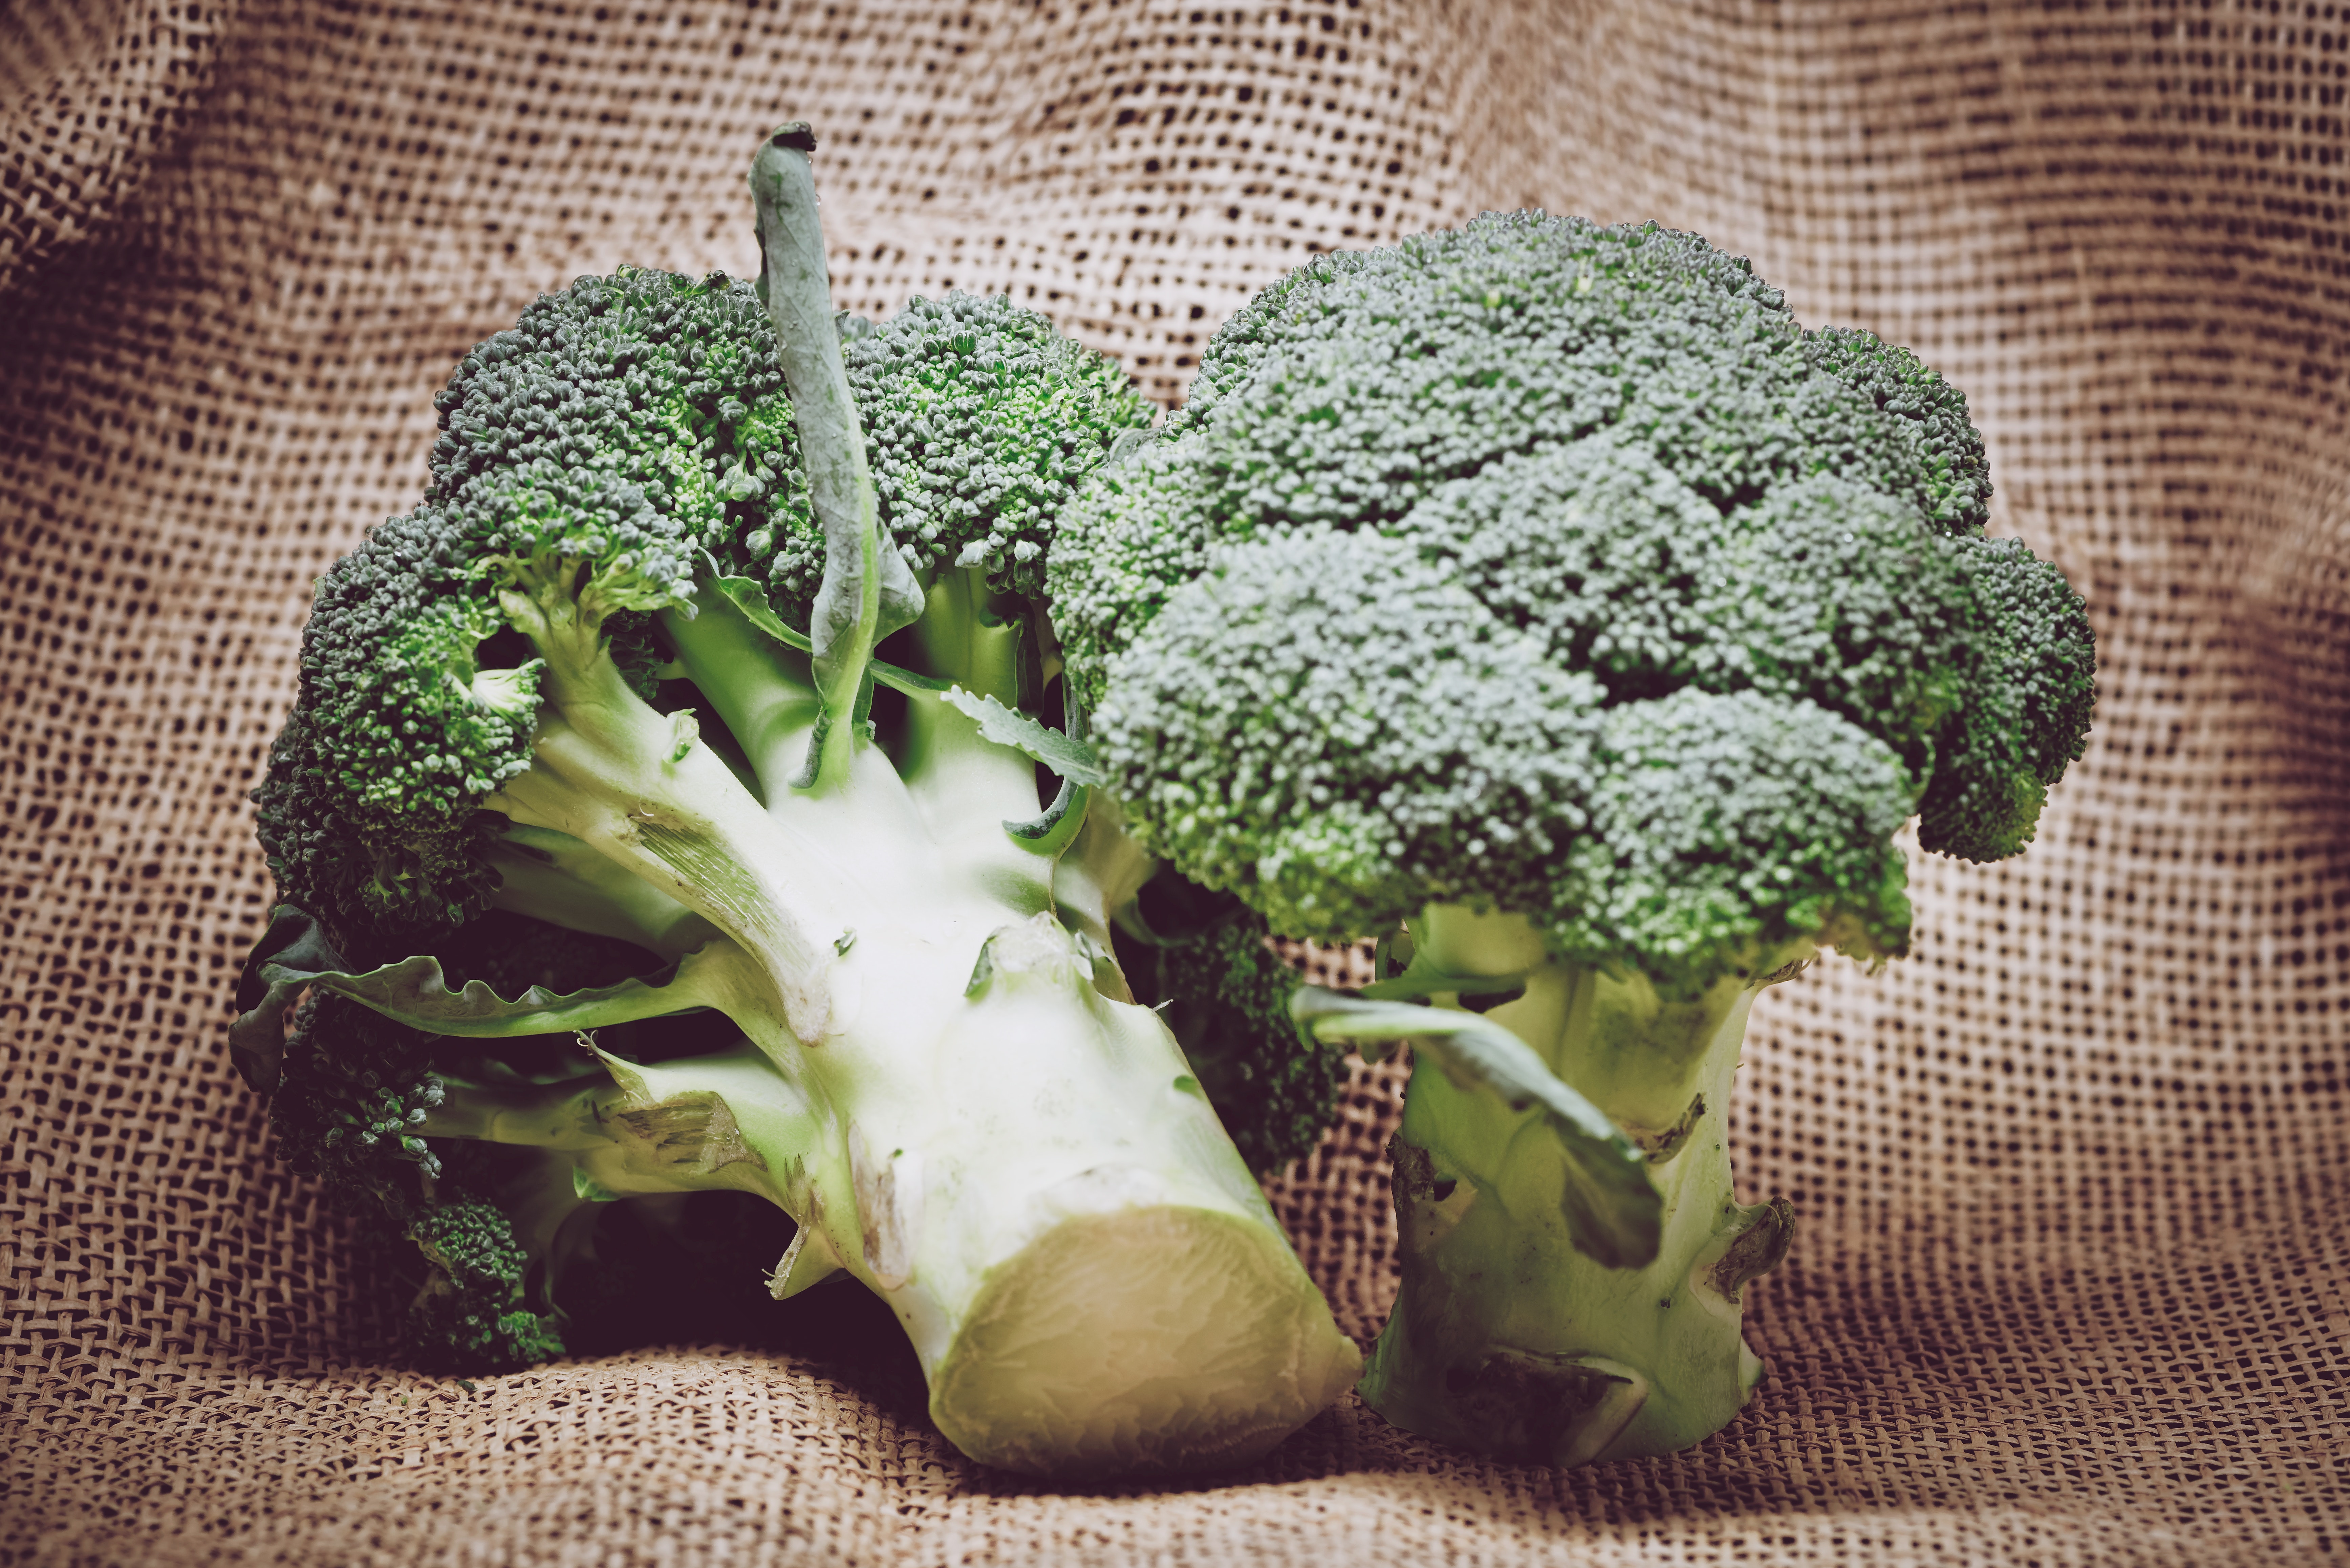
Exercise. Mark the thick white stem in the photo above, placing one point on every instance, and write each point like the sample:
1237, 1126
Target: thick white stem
1026, 1172
959, 1115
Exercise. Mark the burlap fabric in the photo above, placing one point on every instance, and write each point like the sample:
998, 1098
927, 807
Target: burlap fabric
2070, 1286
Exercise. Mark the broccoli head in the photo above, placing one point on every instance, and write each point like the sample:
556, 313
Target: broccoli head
587, 457
1601, 467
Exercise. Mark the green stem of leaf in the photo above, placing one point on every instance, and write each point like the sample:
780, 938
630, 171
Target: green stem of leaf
866, 591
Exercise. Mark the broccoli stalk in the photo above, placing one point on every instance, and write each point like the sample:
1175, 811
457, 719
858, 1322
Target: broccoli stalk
1561, 1359
945, 1081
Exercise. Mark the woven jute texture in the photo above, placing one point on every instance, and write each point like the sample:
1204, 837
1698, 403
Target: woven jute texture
2070, 1285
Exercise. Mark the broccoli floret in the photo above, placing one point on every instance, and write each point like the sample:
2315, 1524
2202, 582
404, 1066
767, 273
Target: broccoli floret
1541, 601
1593, 548
472, 1313
1225, 994
1925, 408
648, 380
2050, 651
585, 443
356, 1091
616, 675
1829, 592
1236, 347
981, 419
1333, 727
2025, 717
1733, 825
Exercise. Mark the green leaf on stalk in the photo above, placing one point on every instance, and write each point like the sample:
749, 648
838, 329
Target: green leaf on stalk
295, 956
1614, 1211
1066, 755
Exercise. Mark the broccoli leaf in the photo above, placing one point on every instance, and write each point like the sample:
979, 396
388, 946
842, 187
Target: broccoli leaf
1070, 757
1615, 1211
294, 957
256, 1043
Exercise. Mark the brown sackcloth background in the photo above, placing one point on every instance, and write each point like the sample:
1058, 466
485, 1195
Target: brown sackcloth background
2070, 1286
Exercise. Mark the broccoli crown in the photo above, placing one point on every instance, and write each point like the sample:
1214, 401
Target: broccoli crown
1456, 542
622, 426
980, 419
1225, 995
620, 430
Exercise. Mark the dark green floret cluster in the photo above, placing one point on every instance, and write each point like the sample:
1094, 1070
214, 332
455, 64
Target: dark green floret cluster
980, 419
1929, 412
357, 1089
2028, 701
473, 1310
1381, 621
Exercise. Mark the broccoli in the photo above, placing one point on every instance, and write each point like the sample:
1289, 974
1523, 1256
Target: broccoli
1540, 600
355, 1093
1204, 960
660, 818
983, 418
